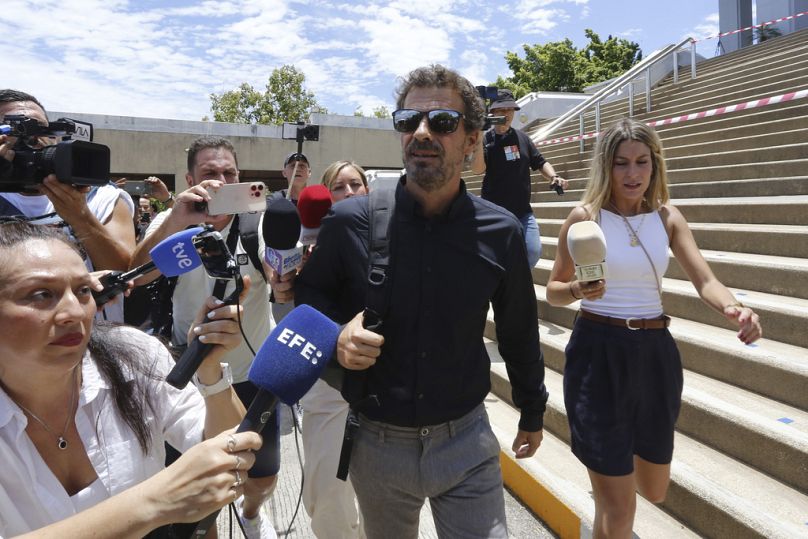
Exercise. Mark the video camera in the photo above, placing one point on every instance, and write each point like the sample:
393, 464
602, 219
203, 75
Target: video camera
75, 162
489, 94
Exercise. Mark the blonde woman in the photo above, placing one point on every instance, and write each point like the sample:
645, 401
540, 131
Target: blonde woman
622, 388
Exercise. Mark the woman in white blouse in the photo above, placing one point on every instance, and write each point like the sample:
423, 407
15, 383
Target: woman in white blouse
85, 411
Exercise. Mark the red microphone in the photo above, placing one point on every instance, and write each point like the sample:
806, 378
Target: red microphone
312, 205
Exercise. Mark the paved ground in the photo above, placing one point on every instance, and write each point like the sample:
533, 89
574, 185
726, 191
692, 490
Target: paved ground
522, 524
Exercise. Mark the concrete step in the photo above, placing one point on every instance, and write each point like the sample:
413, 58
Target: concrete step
711, 142
711, 493
768, 154
776, 210
561, 486
778, 275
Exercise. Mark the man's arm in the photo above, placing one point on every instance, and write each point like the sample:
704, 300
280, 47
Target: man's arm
517, 326
109, 245
478, 160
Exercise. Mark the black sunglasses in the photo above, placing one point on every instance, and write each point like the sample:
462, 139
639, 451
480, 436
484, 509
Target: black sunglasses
441, 121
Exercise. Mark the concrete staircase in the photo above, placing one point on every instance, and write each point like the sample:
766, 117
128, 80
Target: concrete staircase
740, 465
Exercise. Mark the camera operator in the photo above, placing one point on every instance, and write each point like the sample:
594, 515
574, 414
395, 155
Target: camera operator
99, 218
212, 162
506, 155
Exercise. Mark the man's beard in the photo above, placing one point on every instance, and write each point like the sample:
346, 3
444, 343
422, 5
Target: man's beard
429, 177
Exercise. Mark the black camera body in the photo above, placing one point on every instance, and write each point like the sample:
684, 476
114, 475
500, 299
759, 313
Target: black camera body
489, 94
215, 255
75, 162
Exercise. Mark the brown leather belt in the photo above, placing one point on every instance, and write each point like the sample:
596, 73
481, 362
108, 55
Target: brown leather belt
630, 323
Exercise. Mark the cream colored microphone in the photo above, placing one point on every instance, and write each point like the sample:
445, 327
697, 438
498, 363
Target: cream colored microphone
587, 245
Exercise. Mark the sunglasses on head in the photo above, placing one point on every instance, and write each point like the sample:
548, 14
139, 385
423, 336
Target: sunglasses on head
441, 121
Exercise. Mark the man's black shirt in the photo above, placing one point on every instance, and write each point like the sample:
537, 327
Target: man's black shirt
508, 160
433, 366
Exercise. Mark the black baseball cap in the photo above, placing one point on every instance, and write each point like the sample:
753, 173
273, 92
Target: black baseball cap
504, 100
295, 156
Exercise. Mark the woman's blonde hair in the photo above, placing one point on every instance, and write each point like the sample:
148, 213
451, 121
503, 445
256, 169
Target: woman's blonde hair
599, 188
336, 167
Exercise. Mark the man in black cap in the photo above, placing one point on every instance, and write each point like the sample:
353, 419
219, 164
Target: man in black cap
296, 170
506, 155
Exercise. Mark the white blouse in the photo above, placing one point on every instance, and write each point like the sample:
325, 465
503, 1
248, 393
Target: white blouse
30, 494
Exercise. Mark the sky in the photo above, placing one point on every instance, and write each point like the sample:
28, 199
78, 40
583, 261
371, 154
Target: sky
163, 58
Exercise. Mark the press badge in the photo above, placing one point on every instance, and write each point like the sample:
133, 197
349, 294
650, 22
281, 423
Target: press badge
242, 259
512, 153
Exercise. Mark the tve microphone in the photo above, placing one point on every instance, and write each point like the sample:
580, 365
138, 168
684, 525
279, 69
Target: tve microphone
173, 256
587, 245
313, 204
287, 365
281, 230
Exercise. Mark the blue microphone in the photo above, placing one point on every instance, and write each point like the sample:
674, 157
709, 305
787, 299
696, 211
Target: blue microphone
173, 256
286, 367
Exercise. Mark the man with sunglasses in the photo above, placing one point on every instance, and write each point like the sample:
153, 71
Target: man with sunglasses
99, 218
506, 155
426, 433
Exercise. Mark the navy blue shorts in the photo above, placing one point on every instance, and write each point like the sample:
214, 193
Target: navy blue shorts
622, 391
268, 458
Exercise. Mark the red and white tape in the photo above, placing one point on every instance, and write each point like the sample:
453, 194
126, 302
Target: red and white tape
781, 19
755, 103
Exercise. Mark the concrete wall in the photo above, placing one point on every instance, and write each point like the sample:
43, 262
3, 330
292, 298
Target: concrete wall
146, 146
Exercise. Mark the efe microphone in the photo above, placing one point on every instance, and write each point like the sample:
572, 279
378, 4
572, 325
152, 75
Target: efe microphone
281, 230
287, 365
173, 256
312, 206
587, 246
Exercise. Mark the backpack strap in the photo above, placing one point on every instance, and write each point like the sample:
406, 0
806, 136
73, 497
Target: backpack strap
248, 230
381, 205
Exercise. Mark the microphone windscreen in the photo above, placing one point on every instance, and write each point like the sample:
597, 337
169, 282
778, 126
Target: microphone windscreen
294, 354
586, 243
176, 254
281, 226
313, 204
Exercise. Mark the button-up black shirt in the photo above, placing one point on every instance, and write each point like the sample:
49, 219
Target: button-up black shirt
444, 272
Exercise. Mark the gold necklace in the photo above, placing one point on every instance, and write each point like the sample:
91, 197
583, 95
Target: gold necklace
61, 442
634, 239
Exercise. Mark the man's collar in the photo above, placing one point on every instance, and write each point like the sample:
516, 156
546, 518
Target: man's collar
410, 207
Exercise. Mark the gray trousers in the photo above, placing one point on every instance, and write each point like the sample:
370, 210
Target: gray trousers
455, 465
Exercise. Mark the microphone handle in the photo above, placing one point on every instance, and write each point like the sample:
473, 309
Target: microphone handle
116, 282
258, 415
196, 352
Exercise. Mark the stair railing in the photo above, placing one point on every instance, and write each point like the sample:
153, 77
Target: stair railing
641, 69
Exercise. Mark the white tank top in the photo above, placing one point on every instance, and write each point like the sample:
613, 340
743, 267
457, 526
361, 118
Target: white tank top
631, 289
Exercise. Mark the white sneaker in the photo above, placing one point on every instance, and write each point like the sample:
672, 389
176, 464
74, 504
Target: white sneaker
259, 527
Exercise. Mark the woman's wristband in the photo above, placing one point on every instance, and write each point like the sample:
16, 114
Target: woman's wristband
572, 291
736, 303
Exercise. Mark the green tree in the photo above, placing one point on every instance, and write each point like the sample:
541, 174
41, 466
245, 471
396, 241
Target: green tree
559, 67
284, 100
381, 112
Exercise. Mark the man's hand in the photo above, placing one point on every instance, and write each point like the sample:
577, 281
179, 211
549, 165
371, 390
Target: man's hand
69, 202
6, 145
158, 189
184, 212
357, 347
526, 443
283, 286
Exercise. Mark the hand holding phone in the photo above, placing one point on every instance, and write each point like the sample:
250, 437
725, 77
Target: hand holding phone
233, 198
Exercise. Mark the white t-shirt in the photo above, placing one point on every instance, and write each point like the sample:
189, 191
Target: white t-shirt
101, 202
32, 497
195, 286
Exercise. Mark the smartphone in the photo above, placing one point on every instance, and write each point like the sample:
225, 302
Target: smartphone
233, 198
137, 188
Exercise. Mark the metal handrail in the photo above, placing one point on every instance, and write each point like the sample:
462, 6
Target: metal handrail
627, 78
